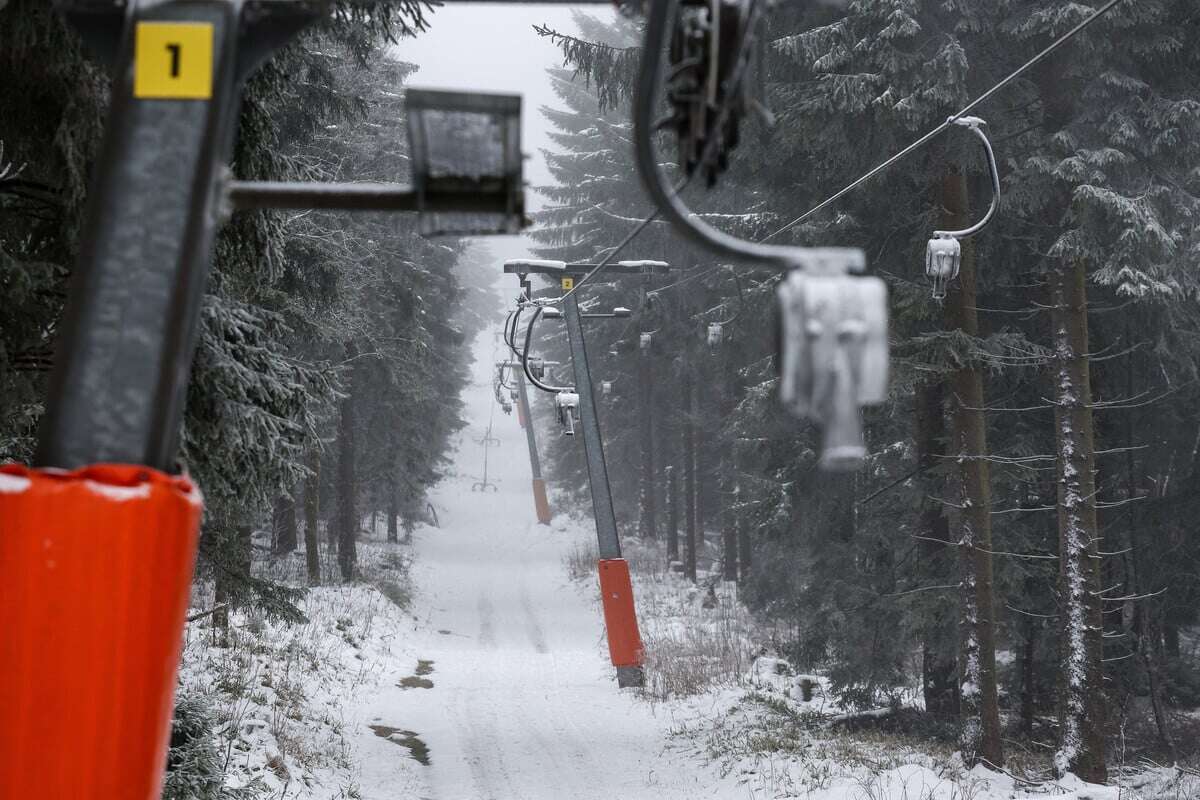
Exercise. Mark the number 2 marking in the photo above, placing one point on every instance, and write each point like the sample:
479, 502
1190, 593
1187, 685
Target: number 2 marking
175, 50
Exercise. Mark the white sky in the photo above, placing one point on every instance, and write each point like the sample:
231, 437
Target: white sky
493, 48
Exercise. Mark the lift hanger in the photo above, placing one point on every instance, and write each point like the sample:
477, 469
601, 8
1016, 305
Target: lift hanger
943, 256
716, 330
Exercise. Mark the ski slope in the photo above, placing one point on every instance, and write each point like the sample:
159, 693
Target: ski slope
523, 703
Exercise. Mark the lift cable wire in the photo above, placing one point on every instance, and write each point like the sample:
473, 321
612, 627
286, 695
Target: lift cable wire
726, 108
921, 142
950, 121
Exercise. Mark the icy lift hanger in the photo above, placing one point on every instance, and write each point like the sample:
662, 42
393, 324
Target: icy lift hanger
943, 256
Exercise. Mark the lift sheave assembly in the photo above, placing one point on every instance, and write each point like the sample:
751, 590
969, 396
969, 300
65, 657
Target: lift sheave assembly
832, 317
833, 357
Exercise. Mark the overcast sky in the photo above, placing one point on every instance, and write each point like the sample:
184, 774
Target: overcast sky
493, 48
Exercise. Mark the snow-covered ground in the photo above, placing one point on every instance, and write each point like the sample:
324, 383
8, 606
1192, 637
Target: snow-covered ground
492, 683
523, 702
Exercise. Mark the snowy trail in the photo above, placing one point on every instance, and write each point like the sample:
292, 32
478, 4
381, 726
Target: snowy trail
524, 703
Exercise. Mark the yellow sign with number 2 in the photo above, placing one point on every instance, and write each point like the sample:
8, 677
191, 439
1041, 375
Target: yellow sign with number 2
173, 61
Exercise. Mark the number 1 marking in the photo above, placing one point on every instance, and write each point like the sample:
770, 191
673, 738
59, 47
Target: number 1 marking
175, 54
173, 60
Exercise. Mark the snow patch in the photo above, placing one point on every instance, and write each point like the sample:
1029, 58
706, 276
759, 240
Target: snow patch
119, 494
14, 484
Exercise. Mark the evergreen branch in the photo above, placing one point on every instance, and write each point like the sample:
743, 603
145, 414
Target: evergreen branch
610, 70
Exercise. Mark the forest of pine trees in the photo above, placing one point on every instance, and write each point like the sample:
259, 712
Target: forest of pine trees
1019, 548
1018, 551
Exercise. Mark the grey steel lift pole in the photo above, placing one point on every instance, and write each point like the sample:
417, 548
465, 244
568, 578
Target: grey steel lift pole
541, 502
593, 445
119, 381
159, 194
607, 535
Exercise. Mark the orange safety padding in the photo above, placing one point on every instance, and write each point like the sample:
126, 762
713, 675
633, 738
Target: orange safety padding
95, 574
541, 502
620, 617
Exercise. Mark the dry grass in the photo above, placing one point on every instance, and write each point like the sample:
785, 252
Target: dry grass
581, 559
689, 648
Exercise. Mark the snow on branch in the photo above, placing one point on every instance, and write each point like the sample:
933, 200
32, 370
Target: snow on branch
611, 70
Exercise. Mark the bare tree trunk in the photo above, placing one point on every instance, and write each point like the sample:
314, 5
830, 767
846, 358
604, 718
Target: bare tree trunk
220, 617
1081, 691
312, 506
729, 555
1028, 676
672, 515
283, 524
979, 737
393, 514
744, 544
939, 649
347, 517
689, 479
1171, 640
647, 520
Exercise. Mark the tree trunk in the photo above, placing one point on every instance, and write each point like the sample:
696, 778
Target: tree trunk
647, 520
1081, 691
347, 517
729, 556
1146, 622
393, 514
979, 737
689, 479
672, 516
1171, 640
243, 547
220, 617
939, 650
744, 545
284, 525
312, 507
1028, 676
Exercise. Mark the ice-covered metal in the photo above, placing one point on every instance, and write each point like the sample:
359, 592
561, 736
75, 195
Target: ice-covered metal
567, 404
833, 357
943, 256
466, 145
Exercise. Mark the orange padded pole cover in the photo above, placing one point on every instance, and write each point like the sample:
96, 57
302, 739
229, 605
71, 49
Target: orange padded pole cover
541, 502
95, 574
620, 618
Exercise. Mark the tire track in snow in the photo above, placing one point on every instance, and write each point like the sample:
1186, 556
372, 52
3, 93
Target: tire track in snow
533, 626
487, 625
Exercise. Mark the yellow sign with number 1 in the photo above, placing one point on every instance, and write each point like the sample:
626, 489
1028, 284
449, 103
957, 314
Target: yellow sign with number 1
173, 61
568, 284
